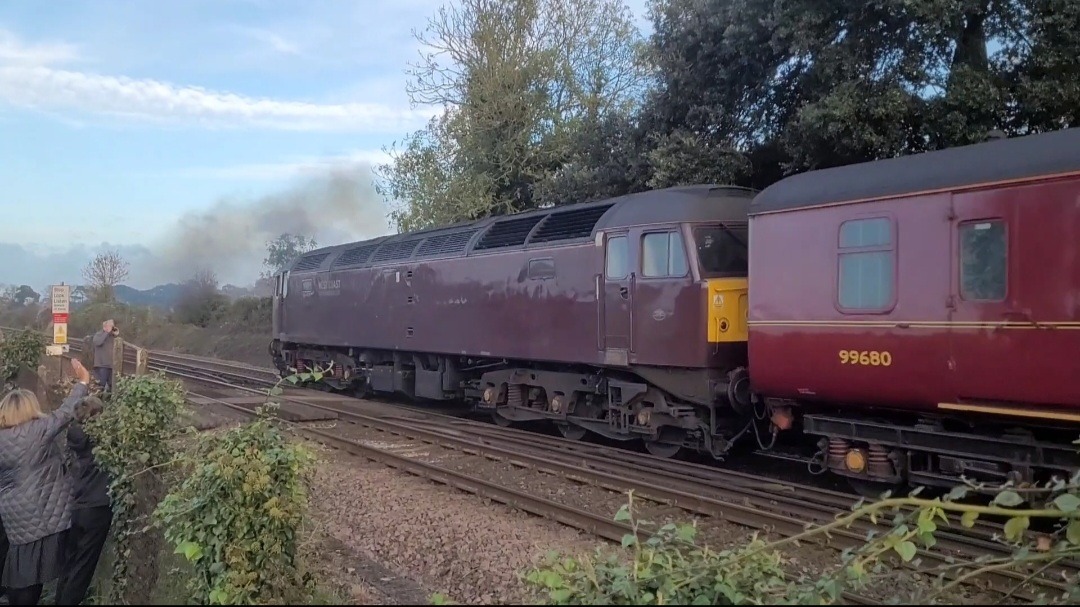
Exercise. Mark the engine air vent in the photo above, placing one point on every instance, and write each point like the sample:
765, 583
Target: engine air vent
310, 262
395, 251
444, 244
508, 233
354, 256
567, 225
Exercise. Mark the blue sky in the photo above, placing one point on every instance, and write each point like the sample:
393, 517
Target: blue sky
139, 124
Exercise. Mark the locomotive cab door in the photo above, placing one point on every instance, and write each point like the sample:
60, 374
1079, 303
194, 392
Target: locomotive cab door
615, 295
281, 288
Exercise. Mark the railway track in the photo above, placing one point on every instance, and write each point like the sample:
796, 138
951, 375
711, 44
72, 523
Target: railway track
740, 498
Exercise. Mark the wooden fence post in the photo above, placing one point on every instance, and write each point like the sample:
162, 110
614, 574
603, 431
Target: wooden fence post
141, 360
118, 357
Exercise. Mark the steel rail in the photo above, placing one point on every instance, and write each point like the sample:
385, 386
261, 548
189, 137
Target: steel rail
603, 475
758, 514
570, 516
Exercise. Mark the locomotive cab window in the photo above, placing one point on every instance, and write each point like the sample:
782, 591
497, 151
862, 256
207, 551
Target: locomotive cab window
867, 259
983, 260
663, 255
618, 257
721, 250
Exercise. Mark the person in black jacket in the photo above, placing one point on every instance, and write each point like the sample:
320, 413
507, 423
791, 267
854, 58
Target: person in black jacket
91, 511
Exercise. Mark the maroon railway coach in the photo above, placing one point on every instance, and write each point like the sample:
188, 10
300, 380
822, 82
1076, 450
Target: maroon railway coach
923, 313
625, 317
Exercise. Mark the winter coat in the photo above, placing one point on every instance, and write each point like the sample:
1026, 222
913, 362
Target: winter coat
103, 349
35, 490
91, 484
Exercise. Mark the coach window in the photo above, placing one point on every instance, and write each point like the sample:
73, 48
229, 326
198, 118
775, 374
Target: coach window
867, 259
983, 260
618, 257
663, 255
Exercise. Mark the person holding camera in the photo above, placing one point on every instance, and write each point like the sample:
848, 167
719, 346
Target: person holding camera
103, 353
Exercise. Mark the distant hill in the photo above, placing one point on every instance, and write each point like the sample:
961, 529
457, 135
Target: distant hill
161, 296
167, 295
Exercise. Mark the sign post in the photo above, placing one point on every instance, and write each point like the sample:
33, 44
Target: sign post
61, 298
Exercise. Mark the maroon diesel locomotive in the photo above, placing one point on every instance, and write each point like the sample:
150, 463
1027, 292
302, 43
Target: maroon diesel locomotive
626, 317
910, 320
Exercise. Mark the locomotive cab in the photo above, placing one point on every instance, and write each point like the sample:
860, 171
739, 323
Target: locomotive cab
721, 252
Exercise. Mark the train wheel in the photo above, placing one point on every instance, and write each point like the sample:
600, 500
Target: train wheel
664, 450
571, 431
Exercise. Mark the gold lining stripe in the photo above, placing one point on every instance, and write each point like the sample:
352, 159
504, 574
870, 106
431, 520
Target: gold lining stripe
1012, 412
914, 324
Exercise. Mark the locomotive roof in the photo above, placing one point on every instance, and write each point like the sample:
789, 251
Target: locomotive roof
964, 166
552, 226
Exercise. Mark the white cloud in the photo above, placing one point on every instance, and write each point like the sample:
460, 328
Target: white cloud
292, 168
27, 81
13, 51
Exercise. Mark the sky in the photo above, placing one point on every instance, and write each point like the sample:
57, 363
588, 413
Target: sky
172, 130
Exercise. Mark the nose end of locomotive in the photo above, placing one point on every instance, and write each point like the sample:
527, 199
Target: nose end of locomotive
728, 309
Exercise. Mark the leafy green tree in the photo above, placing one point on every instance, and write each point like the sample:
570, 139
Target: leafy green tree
281, 251
519, 80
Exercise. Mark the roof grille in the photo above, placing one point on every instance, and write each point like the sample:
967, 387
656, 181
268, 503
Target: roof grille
354, 256
508, 233
394, 251
566, 225
442, 244
310, 262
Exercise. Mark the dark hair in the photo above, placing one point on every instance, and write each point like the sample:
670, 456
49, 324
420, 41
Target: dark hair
88, 408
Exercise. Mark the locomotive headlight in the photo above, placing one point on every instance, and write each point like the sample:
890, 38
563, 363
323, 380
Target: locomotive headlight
723, 325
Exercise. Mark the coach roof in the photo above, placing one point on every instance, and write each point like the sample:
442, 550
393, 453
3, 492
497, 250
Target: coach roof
952, 168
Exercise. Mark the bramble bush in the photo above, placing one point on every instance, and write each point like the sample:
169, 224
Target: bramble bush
237, 515
132, 444
669, 567
18, 349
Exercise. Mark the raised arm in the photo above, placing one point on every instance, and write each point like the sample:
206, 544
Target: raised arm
99, 338
58, 420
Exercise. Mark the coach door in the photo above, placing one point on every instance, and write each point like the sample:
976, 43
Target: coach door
1010, 282
616, 300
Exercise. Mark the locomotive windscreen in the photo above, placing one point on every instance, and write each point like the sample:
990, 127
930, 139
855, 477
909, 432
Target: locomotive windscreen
722, 250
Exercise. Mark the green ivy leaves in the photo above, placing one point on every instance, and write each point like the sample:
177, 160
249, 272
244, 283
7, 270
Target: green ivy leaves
236, 516
18, 349
132, 443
